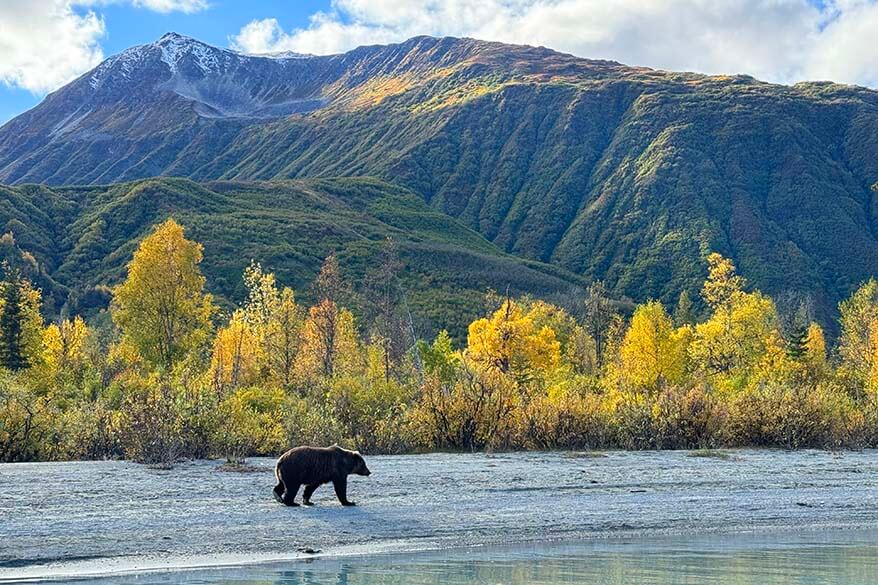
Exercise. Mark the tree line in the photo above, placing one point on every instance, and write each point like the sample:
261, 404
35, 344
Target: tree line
165, 374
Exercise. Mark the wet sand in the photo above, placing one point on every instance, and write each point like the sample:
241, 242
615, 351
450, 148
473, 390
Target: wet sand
90, 518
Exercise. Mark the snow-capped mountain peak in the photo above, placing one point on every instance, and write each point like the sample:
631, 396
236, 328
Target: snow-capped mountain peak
175, 47
171, 49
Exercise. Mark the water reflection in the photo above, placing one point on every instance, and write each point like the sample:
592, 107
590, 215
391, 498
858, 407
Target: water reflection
836, 557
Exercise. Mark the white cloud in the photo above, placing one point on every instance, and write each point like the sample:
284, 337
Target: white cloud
261, 36
848, 50
777, 40
46, 43
325, 35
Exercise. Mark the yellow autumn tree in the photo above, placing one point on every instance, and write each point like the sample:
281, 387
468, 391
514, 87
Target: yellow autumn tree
277, 321
547, 315
323, 323
236, 355
330, 345
741, 332
815, 351
161, 307
510, 342
350, 357
283, 337
578, 348
653, 352
775, 365
858, 345
262, 295
64, 356
872, 381
736, 337
723, 283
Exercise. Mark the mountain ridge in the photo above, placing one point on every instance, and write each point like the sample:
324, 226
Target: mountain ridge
621, 173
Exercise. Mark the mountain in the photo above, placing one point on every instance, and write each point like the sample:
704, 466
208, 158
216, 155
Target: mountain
607, 171
76, 240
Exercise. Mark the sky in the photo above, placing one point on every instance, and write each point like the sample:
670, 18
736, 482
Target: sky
47, 43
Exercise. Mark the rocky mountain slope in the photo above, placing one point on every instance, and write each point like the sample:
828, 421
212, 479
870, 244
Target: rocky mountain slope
614, 172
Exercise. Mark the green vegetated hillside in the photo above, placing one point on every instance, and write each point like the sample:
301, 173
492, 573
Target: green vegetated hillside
82, 237
632, 180
620, 173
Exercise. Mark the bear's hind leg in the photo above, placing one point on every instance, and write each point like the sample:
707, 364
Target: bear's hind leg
309, 491
279, 491
290, 495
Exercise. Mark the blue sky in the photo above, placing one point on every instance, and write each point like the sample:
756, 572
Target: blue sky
46, 43
127, 25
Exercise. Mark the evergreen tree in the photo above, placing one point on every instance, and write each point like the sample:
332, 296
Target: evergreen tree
12, 317
797, 341
795, 313
684, 314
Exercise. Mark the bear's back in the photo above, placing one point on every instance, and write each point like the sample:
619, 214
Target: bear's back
312, 464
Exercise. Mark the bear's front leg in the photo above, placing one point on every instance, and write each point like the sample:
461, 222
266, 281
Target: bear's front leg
341, 491
290, 494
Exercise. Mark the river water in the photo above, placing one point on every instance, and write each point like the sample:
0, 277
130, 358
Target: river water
645, 517
836, 558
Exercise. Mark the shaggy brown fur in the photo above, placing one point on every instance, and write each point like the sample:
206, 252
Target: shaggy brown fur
312, 467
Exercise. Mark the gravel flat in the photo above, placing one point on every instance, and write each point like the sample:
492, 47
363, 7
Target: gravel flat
79, 518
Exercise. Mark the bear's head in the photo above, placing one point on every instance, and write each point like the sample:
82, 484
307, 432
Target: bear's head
359, 464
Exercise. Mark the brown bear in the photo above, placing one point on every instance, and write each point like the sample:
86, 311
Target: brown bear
312, 467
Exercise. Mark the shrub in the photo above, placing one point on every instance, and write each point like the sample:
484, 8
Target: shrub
148, 422
252, 423
474, 411
87, 433
791, 418
26, 421
566, 418
633, 421
687, 418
